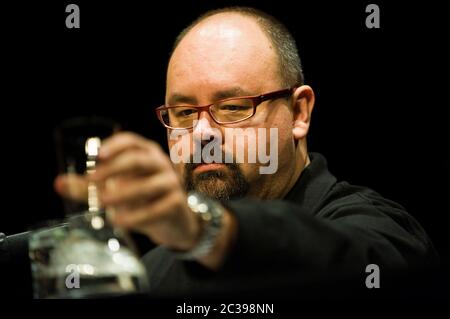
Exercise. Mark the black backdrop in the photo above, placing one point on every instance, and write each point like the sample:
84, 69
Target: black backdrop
378, 117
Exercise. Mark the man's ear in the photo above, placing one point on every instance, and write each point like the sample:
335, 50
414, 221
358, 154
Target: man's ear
303, 103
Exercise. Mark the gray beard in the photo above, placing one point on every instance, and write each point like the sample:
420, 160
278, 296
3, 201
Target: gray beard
218, 184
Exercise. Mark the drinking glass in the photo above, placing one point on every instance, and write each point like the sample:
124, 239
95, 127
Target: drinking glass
83, 255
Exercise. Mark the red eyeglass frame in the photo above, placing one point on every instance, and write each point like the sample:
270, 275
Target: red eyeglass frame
256, 101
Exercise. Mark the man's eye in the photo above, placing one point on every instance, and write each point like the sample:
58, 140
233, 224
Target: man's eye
233, 108
185, 112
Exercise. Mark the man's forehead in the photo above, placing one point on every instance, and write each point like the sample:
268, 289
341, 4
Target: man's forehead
220, 51
226, 26
222, 30
225, 33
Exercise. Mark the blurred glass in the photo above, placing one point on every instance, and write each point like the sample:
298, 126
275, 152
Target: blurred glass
70, 141
77, 258
83, 256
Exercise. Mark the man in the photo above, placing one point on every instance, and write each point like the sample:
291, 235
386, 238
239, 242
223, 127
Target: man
297, 221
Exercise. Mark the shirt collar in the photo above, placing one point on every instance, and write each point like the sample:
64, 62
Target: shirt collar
314, 183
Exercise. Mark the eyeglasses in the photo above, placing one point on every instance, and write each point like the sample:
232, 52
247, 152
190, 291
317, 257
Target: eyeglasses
227, 111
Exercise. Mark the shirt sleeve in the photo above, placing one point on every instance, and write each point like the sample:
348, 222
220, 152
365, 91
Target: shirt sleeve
343, 239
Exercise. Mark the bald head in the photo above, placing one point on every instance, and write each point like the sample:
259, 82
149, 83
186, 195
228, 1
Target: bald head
280, 38
223, 51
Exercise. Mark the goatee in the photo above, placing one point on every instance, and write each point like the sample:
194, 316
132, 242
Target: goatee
222, 184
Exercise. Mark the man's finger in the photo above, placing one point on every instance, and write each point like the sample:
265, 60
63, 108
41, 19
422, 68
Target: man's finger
137, 190
72, 186
120, 142
139, 217
127, 163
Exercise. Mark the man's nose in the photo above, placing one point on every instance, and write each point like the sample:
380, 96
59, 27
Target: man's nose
205, 129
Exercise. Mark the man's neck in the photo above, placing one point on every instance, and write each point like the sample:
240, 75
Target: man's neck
298, 171
279, 187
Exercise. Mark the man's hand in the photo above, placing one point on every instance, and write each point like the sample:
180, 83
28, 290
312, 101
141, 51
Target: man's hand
144, 193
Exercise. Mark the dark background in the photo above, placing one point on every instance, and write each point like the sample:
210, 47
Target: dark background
378, 119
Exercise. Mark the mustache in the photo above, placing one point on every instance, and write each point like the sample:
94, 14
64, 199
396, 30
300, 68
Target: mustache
234, 185
191, 165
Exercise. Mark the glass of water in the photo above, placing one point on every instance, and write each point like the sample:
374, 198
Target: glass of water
83, 256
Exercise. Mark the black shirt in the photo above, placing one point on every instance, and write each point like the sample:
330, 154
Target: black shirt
323, 233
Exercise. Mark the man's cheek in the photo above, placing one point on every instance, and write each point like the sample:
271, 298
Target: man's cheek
241, 143
250, 171
180, 168
180, 146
